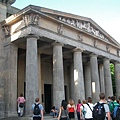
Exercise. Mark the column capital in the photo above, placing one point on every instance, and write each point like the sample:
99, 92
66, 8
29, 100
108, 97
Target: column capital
57, 44
77, 50
32, 36
117, 62
93, 55
104, 59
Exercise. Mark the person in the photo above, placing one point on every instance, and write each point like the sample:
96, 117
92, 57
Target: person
88, 109
78, 109
82, 110
109, 100
63, 113
112, 105
21, 101
105, 105
37, 110
71, 109
54, 112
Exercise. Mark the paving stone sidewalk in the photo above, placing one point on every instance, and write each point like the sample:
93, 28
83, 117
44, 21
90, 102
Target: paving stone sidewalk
46, 117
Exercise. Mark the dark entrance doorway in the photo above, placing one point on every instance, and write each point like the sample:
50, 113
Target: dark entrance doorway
47, 94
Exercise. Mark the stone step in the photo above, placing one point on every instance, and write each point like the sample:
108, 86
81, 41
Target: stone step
28, 118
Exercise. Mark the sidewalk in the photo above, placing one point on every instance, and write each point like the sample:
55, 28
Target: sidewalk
46, 117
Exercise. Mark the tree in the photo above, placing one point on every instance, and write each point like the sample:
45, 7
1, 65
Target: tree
113, 78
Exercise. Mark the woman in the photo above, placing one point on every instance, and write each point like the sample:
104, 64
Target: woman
21, 100
78, 109
54, 112
63, 114
82, 110
88, 108
71, 109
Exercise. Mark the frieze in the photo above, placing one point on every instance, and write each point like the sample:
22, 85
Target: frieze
31, 19
6, 29
86, 26
60, 29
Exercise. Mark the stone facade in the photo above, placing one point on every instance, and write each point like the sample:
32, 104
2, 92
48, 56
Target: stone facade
53, 55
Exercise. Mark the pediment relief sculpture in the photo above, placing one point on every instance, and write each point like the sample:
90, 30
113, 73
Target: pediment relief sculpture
31, 19
84, 25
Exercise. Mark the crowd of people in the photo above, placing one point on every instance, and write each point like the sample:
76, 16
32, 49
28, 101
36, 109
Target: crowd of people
85, 109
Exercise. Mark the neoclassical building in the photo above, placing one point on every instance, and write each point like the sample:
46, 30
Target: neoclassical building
53, 55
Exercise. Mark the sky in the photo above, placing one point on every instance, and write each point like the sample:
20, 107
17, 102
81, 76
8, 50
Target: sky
106, 13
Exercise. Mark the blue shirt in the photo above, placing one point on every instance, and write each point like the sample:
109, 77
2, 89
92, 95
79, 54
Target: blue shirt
41, 108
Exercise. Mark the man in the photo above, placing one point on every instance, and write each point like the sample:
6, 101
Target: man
112, 105
105, 107
37, 110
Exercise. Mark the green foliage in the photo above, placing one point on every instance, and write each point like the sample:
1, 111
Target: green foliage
113, 78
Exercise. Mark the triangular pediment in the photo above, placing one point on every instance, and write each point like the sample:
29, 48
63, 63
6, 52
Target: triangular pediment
83, 24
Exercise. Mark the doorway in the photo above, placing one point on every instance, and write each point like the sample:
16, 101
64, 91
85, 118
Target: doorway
47, 97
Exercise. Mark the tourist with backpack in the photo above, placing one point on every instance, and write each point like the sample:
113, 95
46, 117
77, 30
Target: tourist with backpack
88, 109
116, 112
21, 104
112, 105
82, 110
37, 110
78, 109
101, 109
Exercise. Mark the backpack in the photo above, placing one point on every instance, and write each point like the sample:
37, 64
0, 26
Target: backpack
116, 112
99, 111
36, 109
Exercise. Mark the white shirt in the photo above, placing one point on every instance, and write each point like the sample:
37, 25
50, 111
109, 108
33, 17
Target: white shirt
88, 110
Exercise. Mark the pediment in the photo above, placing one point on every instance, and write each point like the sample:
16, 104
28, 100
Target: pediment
83, 24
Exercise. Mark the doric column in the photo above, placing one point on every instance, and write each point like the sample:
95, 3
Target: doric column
31, 71
107, 78
58, 77
88, 82
117, 78
10, 79
94, 77
72, 81
2, 60
3, 8
39, 76
102, 81
79, 90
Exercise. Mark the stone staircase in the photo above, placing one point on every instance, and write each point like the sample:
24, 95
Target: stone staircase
46, 117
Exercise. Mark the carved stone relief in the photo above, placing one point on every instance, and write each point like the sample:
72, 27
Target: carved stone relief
84, 25
95, 43
60, 29
31, 19
6, 29
108, 48
80, 37
118, 52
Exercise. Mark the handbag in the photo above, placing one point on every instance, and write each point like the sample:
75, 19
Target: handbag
21, 105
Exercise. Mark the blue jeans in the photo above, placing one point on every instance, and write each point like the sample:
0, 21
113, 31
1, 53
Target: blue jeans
54, 114
78, 115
